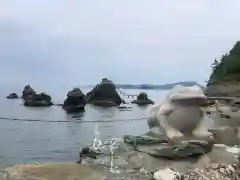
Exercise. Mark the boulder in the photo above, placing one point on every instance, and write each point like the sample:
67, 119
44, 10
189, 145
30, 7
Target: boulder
12, 96
142, 99
160, 147
28, 91
104, 94
225, 135
75, 101
38, 100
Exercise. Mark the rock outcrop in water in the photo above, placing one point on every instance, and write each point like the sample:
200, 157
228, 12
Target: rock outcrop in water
31, 98
75, 101
38, 100
12, 96
104, 94
142, 99
28, 91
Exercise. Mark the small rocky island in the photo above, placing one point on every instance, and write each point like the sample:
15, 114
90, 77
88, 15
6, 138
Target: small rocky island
104, 94
12, 96
75, 101
33, 99
142, 99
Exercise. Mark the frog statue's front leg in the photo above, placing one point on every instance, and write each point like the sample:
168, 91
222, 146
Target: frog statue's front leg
201, 131
172, 134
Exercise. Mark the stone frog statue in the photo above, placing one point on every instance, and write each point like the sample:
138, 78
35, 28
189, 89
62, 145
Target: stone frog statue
181, 115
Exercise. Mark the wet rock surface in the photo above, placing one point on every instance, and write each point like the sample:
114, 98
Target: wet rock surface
75, 101
104, 94
142, 99
12, 96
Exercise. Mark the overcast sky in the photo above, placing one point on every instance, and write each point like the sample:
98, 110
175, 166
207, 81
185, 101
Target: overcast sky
71, 42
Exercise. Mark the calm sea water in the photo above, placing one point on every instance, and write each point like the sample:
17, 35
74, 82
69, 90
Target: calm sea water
28, 142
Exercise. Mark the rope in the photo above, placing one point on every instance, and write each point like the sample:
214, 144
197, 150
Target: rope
64, 121
126, 94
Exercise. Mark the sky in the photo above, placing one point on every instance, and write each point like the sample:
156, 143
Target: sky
77, 42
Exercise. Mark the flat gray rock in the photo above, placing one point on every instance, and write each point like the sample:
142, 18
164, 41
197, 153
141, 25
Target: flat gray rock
61, 171
158, 146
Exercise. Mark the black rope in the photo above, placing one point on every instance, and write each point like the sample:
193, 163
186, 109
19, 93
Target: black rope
65, 121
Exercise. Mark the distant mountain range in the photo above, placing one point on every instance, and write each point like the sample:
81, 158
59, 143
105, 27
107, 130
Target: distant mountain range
155, 87
160, 87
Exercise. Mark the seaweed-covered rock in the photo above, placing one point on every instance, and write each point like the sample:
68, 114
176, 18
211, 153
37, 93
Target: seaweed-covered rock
142, 99
12, 96
28, 91
38, 100
75, 101
104, 94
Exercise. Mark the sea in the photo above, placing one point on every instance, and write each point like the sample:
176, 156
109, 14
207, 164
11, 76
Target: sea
58, 137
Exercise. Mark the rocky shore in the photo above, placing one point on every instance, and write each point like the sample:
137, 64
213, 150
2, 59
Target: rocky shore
151, 155
224, 90
132, 164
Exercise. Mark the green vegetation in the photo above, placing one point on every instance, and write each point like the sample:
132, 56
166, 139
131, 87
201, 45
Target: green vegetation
227, 69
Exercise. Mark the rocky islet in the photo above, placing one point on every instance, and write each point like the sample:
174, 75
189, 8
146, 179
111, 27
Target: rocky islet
104, 94
75, 101
142, 99
12, 96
